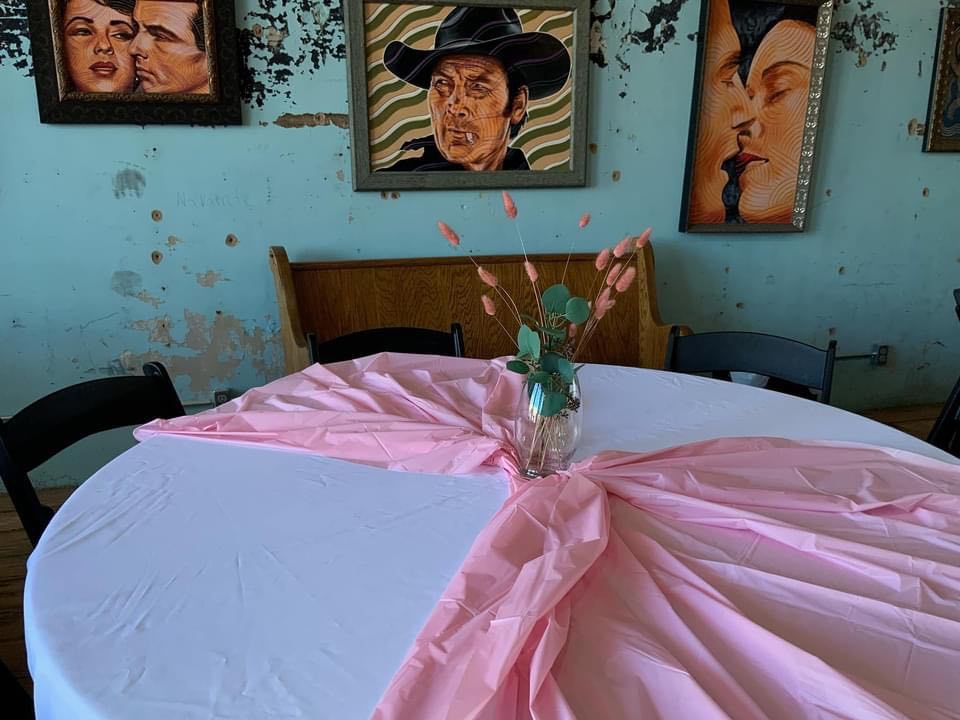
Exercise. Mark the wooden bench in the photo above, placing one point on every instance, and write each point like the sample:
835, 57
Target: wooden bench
335, 298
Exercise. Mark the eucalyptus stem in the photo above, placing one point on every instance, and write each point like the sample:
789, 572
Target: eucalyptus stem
506, 332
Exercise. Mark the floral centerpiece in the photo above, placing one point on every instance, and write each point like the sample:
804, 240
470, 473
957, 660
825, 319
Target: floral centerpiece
549, 340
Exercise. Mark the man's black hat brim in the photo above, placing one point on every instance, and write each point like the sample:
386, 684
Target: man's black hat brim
539, 58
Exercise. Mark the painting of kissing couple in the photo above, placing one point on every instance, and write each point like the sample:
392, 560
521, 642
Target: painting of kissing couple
755, 115
135, 60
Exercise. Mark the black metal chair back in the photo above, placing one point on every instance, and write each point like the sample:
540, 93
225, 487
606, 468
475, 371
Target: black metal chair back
946, 431
57, 421
794, 367
14, 699
419, 341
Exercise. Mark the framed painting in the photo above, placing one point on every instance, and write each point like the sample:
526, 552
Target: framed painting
754, 117
136, 61
943, 114
487, 94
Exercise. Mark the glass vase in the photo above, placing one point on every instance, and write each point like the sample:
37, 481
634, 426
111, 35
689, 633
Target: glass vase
546, 438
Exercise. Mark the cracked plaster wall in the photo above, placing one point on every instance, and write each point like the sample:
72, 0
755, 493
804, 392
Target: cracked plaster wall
124, 244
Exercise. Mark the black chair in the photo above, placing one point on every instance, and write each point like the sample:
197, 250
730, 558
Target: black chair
14, 699
419, 341
793, 367
57, 421
946, 430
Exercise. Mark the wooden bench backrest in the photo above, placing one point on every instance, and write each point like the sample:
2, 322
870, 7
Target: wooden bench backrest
336, 298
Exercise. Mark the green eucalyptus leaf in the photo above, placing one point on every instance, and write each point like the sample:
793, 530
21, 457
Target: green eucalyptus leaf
528, 342
555, 299
553, 403
537, 384
552, 332
518, 366
577, 310
550, 362
538, 377
555, 363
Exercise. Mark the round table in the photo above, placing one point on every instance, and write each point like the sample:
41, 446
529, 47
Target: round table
199, 579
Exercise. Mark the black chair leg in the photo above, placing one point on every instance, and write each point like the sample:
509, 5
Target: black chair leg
14, 699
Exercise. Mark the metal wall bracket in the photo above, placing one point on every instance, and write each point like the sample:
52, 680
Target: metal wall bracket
877, 358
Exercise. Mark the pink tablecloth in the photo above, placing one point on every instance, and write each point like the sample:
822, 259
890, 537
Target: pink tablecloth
738, 578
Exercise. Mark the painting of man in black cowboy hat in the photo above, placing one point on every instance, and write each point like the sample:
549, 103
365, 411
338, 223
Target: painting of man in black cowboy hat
481, 75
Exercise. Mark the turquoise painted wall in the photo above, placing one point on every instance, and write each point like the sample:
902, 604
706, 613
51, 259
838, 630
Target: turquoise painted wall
92, 284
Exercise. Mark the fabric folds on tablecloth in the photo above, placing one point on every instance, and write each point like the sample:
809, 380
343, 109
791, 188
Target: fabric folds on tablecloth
736, 578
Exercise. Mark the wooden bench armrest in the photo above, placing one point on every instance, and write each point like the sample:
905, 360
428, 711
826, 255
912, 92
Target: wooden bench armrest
296, 353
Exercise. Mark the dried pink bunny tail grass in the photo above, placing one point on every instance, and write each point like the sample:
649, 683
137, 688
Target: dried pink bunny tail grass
604, 303
605, 308
488, 305
603, 259
644, 238
449, 234
584, 220
614, 273
626, 279
509, 207
531, 271
572, 330
487, 277
622, 247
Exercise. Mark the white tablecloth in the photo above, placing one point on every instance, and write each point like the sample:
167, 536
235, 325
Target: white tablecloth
199, 579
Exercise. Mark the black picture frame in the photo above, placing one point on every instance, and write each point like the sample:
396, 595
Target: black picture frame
798, 221
59, 101
944, 86
365, 177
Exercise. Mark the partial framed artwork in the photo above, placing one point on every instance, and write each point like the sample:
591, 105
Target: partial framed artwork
136, 61
492, 93
755, 115
943, 114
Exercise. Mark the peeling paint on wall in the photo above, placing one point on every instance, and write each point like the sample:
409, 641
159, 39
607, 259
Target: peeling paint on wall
302, 120
597, 19
13, 36
128, 284
214, 349
272, 55
145, 297
157, 329
660, 28
210, 278
864, 33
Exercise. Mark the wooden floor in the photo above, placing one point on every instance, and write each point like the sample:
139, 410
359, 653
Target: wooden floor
917, 421
14, 546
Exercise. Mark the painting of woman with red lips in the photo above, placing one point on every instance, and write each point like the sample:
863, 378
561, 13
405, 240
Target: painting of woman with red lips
135, 61
755, 113
97, 35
